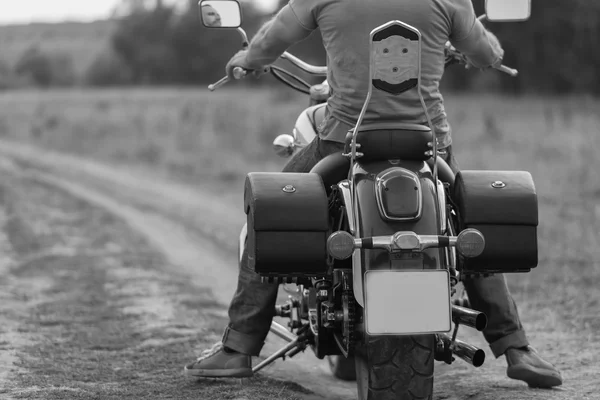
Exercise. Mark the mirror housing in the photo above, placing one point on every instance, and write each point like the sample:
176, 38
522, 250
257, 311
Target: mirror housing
284, 145
507, 10
220, 13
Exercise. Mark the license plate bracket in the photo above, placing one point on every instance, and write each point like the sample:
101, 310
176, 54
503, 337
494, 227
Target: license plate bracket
407, 302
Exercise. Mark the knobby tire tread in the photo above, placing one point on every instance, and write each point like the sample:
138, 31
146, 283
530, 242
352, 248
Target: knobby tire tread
399, 368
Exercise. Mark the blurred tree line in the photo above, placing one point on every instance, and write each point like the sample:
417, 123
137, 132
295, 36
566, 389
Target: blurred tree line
158, 44
162, 45
38, 68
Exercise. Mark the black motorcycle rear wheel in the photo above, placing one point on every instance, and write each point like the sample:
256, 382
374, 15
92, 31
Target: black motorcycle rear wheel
395, 367
342, 368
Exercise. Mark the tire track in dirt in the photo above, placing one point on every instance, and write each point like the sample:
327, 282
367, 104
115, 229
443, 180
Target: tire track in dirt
107, 316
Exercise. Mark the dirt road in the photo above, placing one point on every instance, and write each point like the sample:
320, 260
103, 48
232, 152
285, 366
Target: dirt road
114, 278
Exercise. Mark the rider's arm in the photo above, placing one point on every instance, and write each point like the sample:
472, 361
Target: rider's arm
470, 37
275, 37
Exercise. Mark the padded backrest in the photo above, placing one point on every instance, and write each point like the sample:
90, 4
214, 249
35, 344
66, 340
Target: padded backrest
395, 57
378, 142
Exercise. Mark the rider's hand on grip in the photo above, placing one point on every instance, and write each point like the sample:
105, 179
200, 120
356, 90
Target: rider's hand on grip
239, 72
237, 61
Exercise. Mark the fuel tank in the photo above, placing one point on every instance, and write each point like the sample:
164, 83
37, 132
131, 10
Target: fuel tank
307, 123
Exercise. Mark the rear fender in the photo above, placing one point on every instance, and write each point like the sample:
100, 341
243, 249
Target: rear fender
369, 222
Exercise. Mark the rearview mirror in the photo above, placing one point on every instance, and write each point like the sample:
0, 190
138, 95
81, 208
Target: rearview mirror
507, 10
284, 145
220, 13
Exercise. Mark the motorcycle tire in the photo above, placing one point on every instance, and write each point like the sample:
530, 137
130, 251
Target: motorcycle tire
342, 368
395, 367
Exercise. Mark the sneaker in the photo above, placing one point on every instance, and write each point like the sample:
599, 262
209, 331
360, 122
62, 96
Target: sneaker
526, 365
218, 362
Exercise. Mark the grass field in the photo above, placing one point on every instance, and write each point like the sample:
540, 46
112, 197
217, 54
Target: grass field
197, 136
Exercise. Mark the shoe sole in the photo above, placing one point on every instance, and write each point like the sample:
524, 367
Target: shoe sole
221, 373
534, 377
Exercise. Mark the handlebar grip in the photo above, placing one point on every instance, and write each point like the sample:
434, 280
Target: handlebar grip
510, 71
239, 72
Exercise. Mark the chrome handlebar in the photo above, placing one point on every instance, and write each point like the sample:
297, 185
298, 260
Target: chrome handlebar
510, 71
311, 69
502, 68
238, 73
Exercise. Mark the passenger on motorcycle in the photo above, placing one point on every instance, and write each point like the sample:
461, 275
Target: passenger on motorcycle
345, 27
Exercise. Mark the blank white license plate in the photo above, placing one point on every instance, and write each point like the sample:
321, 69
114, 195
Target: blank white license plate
407, 302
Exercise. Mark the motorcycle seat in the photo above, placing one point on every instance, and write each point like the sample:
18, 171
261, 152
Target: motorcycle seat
335, 168
380, 142
391, 141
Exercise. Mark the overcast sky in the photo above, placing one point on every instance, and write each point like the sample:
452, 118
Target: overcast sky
25, 11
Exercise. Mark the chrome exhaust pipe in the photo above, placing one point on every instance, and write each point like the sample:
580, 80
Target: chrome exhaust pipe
465, 351
469, 317
282, 332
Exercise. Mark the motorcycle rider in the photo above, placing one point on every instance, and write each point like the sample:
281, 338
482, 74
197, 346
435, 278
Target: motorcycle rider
345, 27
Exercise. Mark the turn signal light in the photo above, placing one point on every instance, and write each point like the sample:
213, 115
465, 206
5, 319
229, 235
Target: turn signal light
470, 243
340, 245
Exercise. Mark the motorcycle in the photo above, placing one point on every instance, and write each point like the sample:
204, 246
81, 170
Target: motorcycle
376, 239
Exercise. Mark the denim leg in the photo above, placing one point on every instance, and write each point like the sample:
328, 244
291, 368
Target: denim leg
491, 296
250, 312
253, 306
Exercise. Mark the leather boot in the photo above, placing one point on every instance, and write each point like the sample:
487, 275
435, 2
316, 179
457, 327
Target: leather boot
525, 364
218, 363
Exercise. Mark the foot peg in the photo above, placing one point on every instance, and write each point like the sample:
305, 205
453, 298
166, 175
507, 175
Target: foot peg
296, 344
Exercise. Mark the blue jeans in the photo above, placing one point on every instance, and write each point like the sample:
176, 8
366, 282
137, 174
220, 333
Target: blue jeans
253, 305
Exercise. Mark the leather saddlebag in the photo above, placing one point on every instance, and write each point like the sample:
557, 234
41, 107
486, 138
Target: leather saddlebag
503, 206
288, 224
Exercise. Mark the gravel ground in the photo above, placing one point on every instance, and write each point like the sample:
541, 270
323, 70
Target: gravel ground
139, 317
89, 310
